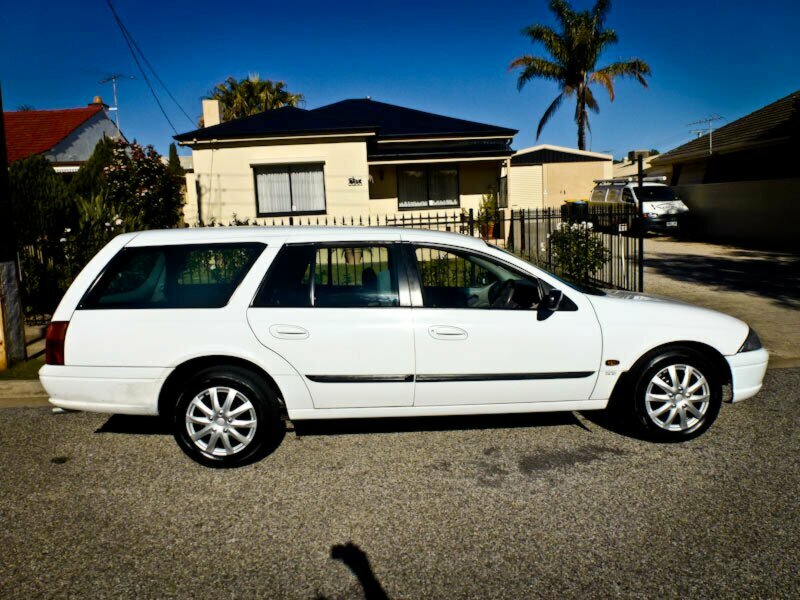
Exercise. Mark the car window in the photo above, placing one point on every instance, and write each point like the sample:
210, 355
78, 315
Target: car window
186, 276
288, 281
331, 276
627, 195
598, 195
613, 195
656, 192
457, 279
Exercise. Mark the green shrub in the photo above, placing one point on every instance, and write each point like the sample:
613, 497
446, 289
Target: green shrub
577, 251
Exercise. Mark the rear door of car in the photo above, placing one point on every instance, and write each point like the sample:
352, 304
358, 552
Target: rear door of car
339, 312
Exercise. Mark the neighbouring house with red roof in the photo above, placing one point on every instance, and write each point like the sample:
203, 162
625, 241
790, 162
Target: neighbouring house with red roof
66, 137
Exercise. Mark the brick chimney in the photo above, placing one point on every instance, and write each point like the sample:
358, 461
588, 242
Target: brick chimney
212, 112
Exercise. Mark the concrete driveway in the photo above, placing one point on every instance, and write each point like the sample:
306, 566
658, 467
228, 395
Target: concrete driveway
759, 287
493, 507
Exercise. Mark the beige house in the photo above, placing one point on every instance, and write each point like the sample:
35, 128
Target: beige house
546, 176
354, 158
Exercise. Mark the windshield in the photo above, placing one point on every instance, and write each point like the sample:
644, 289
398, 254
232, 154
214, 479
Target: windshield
649, 193
578, 287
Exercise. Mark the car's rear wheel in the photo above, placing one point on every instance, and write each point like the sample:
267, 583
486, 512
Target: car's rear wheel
226, 417
676, 397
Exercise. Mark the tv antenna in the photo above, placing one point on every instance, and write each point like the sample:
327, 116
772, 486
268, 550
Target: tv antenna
710, 130
113, 79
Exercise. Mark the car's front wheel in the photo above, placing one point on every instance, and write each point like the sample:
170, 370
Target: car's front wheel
676, 397
226, 417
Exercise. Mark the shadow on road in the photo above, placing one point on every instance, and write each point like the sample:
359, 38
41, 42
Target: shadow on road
775, 275
449, 423
142, 425
134, 424
356, 559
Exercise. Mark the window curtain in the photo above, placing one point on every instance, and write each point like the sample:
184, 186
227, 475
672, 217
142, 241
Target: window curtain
412, 188
443, 186
308, 188
273, 190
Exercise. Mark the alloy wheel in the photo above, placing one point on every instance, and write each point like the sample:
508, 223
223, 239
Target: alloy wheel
221, 421
677, 397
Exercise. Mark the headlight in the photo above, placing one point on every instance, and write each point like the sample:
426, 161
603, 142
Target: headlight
751, 342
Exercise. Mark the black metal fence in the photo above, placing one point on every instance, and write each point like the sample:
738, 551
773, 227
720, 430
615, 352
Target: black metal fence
529, 234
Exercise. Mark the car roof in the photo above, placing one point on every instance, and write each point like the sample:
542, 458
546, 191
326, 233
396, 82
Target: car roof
297, 234
623, 184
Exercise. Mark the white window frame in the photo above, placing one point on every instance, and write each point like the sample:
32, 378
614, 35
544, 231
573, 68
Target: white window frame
288, 167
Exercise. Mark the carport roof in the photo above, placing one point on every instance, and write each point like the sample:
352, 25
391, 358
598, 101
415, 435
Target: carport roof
545, 153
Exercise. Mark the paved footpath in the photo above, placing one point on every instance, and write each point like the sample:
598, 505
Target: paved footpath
759, 287
16, 394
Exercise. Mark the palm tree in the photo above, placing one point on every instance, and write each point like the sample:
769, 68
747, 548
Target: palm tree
250, 96
574, 52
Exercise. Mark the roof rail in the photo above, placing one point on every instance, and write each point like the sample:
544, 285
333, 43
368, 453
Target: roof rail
613, 180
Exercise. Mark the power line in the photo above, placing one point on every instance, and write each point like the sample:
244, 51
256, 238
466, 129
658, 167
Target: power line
147, 62
139, 65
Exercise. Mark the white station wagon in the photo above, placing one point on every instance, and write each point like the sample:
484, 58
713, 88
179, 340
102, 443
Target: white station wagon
224, 330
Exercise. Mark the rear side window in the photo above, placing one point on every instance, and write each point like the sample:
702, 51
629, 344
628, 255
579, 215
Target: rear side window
598, 195
331, 276
613, 195
188, 276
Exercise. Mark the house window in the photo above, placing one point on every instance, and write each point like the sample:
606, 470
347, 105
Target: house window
289, 189
427, 187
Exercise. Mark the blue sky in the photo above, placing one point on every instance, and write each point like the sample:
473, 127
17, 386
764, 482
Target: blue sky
719, 56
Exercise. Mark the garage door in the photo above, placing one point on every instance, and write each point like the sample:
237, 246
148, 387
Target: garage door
525, 187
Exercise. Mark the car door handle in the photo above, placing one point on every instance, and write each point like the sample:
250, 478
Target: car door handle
288, 332
447, 332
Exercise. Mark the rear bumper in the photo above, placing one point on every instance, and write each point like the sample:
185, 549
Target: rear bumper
747, 371
117, 390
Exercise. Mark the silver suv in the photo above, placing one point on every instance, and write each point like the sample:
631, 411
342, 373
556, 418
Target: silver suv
663, 210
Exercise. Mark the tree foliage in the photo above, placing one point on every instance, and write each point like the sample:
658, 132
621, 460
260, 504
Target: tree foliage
577, 250
60, 226
39, 200
174, 162
250, 96
141, 188
88, 182
574, 49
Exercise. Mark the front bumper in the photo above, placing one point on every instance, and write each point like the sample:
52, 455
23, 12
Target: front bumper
661, 223
747, 372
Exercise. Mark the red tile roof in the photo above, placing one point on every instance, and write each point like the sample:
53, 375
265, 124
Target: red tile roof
31, 132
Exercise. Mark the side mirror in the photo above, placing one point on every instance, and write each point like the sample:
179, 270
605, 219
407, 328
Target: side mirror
553, 300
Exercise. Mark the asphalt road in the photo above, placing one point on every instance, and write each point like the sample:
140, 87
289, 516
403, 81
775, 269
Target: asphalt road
531, 506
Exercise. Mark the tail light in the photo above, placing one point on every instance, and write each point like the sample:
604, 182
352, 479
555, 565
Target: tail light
54, 343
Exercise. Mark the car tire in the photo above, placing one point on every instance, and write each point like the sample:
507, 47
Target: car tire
676, 396
227, 417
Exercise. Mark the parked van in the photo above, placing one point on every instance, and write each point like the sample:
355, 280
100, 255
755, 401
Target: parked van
223, 330
663, 210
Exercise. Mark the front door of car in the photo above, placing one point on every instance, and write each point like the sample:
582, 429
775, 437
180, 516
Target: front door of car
334, 312
482, 337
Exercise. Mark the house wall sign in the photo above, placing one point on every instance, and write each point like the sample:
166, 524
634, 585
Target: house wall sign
355, 181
